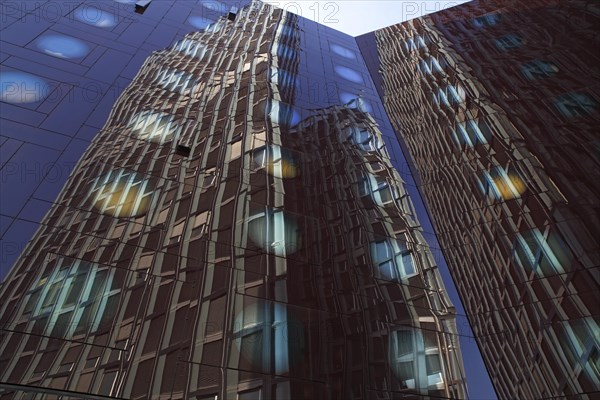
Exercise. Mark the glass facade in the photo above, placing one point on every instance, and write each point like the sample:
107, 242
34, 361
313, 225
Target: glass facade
498, 109
238, 228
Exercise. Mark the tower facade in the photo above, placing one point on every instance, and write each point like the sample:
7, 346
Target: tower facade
234, 231
497, 104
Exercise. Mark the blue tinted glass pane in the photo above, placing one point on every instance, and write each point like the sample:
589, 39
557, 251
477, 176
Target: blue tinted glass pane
576, 104
348, 74
539, 69
62, 46
95, 17
407, 264
342, 51
19, 87
486, 20
199, 22
355, 101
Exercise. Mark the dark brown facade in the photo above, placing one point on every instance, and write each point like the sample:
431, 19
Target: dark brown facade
218, 241
498, 105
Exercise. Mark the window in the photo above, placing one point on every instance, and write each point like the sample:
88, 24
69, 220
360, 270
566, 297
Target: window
176, 81
538, 69
356, 101
286, 52
255, 394
342, 51
191, 48
154, 126
265, 338
19, 87
76, 297
277, 161
542, 251
62, 46
121, 193
501, 184
415, 358
456, 94
363, 138
471, 132
282, 77
392, 259
581, 343
487, 20
403, 354
577, 104
509, 42
379, 189
288, 33
431, 65
283, 114
413, 43
274, 231
348, 74
449, 95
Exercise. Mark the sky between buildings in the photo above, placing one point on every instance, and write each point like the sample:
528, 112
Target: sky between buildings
356, 17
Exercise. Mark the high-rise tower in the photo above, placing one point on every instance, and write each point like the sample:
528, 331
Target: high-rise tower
498, 105
231, 233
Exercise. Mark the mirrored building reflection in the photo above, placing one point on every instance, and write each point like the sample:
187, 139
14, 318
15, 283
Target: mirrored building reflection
497, 104
234, 233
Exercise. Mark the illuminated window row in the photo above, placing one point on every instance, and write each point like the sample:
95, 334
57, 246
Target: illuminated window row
121, 193
275, 231
174, 80
486, 20
501, 183
262, 336
154, 126
75, 298
342, 51
283, 78
416, 359
472, 132
412, 44
543, 252
363, 138
285, 52
449, 95
538, 69
431, 65
392, 259
277, 161
576, 104
509, 42
191, 48
581, 345
380, 190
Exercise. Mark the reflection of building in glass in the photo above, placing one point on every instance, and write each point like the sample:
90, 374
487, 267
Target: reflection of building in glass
498, 107
221, 240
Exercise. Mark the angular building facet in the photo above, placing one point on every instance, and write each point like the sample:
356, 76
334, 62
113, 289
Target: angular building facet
234, 232
498, 105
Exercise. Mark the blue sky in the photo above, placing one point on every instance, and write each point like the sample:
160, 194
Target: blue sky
343, 15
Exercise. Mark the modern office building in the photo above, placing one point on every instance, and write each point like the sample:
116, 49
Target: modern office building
237, 229
498, 105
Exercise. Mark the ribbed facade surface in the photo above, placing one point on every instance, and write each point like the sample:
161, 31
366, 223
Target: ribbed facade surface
498, 106
217, 241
